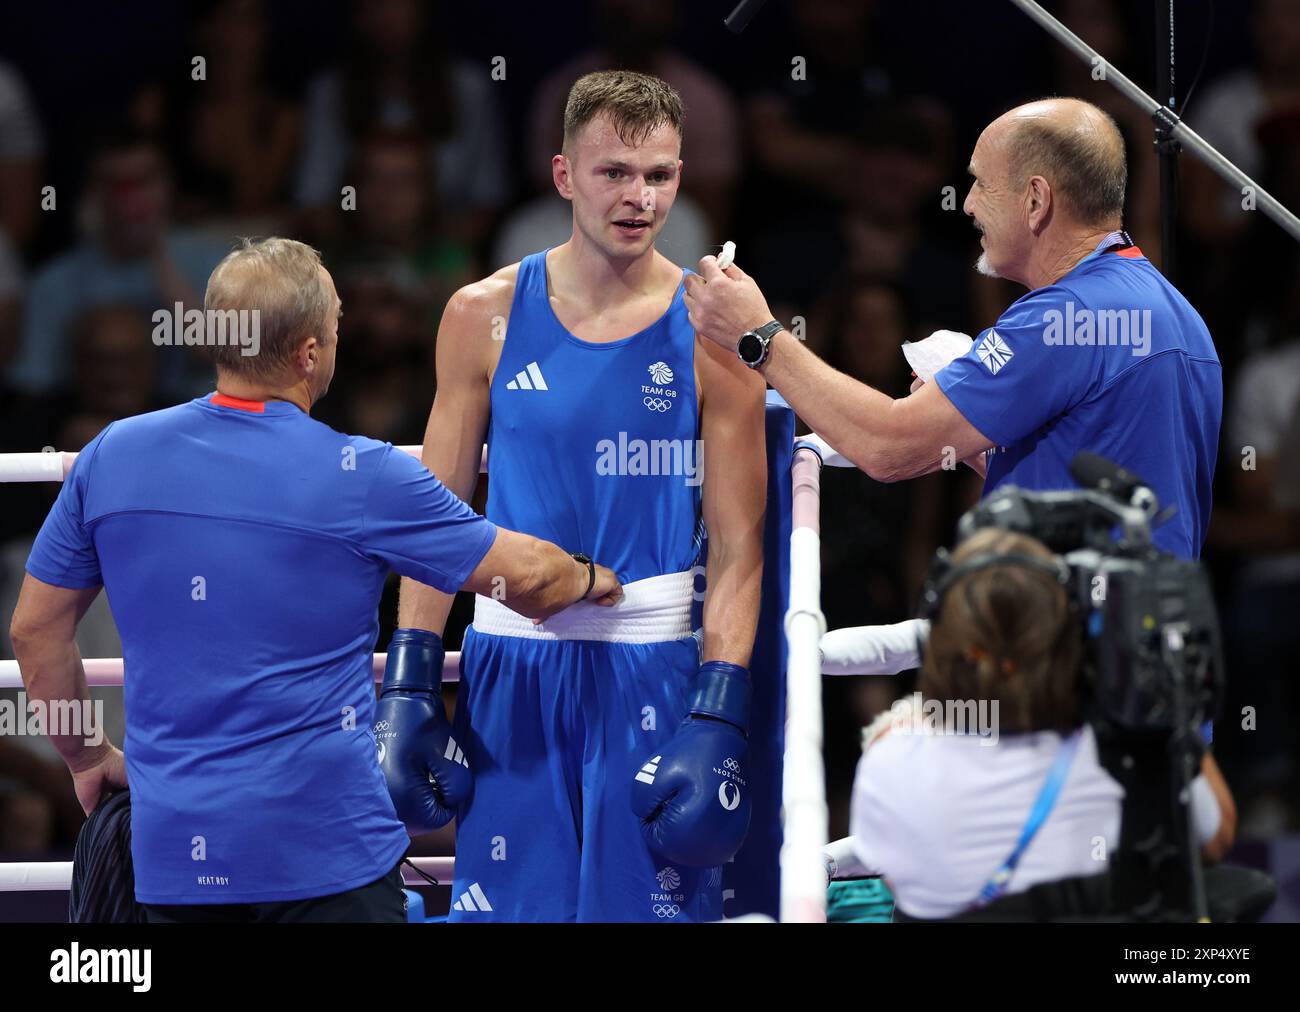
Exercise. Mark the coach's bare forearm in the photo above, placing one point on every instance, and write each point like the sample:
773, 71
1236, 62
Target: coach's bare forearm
53, 676
528, 575
851, 416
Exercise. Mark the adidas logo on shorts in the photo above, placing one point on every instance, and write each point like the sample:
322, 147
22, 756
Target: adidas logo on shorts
472, 900
647, 772
530, 378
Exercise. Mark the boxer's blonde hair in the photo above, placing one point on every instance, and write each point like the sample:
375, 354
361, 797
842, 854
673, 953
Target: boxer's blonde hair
636, 104
281, 279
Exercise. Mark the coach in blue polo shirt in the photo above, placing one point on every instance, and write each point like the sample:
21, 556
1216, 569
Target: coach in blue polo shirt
243, 547
1103, 354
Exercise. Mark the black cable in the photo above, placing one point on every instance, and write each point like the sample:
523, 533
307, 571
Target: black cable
1205, 52
421, 872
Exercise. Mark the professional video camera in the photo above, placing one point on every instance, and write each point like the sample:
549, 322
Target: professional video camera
1153, 668
1152, 658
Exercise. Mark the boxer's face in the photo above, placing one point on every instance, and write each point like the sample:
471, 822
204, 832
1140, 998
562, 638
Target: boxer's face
613, 186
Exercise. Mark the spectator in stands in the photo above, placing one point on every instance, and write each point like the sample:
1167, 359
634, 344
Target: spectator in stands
130, 254
398, 74
399, 221
233, 138
21, 151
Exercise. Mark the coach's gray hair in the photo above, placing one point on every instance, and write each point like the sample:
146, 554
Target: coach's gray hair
1082, 160
281, 280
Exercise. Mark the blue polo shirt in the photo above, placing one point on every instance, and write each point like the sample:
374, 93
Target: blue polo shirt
1111, 358
243, 547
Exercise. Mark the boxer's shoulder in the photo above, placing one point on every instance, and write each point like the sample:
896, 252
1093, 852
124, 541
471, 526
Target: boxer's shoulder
474, 325
484, 299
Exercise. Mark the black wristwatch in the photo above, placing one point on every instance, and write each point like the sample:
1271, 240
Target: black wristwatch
754, 344
591, 571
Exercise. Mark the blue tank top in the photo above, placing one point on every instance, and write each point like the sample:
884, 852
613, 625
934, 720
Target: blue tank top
595, 447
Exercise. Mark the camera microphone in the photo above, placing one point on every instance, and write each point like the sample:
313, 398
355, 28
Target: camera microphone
1092, 470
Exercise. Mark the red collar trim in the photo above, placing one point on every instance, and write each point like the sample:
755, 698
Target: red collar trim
1129, 253
223, 401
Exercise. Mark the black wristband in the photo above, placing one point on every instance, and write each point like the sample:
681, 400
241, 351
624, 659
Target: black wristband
591, 571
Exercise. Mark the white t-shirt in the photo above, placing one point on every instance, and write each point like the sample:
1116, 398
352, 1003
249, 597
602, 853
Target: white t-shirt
936, 815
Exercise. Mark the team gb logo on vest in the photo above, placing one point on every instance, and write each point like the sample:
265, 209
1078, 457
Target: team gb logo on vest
658, 396
661, 373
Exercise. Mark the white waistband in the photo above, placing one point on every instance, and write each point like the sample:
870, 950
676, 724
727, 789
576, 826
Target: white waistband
654, 610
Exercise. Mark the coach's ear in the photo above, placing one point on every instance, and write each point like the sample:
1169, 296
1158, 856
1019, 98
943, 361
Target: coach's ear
1038, 204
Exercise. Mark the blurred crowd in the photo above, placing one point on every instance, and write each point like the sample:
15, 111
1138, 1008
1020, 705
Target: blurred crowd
411, 142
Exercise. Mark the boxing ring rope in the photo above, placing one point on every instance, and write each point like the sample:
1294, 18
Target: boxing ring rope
54, 465
108, 670
54, 876
803, 883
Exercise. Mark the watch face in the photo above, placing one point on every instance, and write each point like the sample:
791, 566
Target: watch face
750, 348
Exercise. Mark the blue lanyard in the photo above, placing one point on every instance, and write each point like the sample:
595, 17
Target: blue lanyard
1047, 796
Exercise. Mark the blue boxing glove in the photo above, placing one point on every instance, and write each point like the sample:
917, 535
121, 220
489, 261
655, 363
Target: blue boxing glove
427, 772
692, 798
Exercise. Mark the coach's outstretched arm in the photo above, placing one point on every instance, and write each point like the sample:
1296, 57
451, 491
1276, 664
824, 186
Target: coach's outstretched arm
696, 809
890, 439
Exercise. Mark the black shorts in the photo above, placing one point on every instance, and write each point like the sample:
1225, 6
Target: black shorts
380, 902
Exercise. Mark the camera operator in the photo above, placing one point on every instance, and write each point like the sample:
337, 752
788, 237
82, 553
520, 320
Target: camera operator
957, 821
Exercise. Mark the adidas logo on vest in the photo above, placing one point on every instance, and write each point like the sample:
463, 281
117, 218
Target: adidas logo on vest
530, 378
472, 900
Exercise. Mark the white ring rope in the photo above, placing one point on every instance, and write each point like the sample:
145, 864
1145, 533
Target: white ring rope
53, 876
54, 465
108, 670
803, 789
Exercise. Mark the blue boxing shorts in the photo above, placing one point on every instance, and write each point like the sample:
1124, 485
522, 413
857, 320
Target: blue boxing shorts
556, 720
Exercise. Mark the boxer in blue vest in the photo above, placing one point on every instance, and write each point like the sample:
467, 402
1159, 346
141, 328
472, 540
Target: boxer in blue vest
607, 748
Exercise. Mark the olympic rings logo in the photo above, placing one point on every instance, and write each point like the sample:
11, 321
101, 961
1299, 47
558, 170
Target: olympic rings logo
666, 909
383, 725
656, 404
731, 764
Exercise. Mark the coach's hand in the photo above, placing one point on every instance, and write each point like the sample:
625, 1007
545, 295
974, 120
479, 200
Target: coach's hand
606, 591
723, 304
692, 797
96, 772
427, 772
